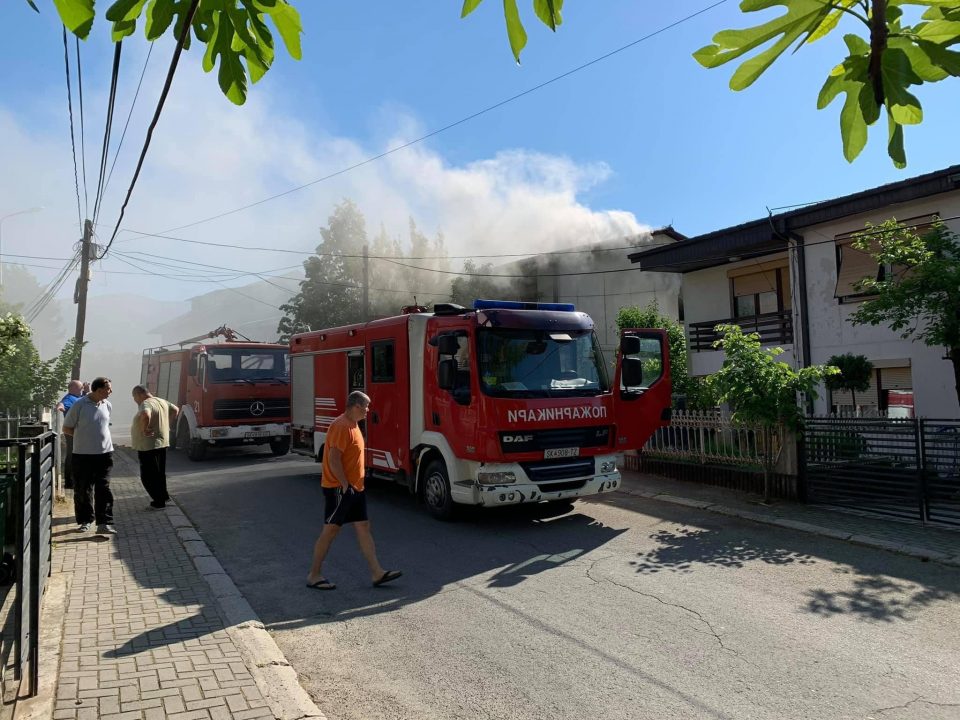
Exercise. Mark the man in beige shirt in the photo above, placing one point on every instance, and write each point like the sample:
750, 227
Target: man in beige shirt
150, 435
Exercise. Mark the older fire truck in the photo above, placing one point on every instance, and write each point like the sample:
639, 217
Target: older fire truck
498, 404
232, 392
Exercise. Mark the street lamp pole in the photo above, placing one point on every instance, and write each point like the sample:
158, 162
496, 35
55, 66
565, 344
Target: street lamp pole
19, 212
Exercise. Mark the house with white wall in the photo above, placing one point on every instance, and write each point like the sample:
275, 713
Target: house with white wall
791, 278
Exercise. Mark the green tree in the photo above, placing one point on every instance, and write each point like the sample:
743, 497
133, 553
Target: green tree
651, 317
479, 282
235, 32
854, 376
763, 391
884, 60
28, 382
918, 292
13, 330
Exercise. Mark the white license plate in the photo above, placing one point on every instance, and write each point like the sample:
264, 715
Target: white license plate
258, 433
561, 453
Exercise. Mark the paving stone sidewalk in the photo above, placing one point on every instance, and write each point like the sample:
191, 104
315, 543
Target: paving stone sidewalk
143, 636
927, 542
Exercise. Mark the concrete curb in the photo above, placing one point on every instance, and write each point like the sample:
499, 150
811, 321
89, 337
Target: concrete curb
52, 612
276, 679
920, 553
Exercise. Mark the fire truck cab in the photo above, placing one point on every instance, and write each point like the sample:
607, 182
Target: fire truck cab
229, 393
498, 404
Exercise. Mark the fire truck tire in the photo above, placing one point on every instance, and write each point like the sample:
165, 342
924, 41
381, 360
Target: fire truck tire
436, 490
280, 447
195, 449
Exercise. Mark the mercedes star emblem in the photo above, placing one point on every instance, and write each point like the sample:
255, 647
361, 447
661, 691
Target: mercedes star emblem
257, 408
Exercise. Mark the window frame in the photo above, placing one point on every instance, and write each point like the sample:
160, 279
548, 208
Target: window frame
383, 345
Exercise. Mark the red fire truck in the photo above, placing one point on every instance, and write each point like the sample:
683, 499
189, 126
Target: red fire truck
500, 404
232, 392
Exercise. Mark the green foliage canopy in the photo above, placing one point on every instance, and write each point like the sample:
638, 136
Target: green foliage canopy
877, 72
854, 373
918, 295
235, 32
548, 11
760, 389
13, 330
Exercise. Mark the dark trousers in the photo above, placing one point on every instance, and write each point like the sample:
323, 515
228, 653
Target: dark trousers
153, 474
92, 499
68, 462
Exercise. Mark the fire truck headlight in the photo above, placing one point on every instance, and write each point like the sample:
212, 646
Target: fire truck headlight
496, 478
219, 432
608, 466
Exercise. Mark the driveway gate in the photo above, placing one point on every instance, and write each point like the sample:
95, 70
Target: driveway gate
905, 468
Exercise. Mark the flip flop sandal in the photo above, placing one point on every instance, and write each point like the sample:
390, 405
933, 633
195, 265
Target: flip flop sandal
388, 576
322, 584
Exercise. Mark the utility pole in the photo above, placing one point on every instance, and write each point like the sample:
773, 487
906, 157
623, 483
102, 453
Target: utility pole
366, 285
80, 296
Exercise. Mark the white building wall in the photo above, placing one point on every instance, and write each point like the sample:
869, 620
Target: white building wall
831, 333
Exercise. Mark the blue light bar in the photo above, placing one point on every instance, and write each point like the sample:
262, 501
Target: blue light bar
514, 305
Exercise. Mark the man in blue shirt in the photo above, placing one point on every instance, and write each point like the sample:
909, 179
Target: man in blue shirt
88, 421
74, 393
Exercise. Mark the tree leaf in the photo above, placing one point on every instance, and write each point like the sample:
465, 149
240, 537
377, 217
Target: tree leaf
920, 61
549, 12
32, 4
287, 20
77, 15
898, 75
895, 142
515, 31
949, 60
941, 32
853, 128
469, 6
122, 29
125, 10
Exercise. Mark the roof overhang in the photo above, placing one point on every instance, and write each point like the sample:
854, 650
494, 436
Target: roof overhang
770, 234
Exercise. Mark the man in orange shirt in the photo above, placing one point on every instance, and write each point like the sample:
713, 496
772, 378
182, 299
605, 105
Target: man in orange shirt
344, 497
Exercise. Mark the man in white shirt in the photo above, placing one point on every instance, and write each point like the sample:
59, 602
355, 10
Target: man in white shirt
88, 422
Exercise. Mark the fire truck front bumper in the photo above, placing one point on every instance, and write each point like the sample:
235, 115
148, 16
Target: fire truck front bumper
486, 491
239, 434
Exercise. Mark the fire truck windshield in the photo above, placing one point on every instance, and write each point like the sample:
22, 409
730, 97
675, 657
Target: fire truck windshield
247, 365
540, 363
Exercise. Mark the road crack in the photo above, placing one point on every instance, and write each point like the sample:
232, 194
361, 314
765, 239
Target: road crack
660, 600
917, 699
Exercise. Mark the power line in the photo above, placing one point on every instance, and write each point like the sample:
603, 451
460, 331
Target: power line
379, 257
73, 146
83, 149
127, 123
184, 33
108, 127
456, 123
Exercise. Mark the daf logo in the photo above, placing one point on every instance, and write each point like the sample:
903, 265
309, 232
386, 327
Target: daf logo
257, 408
517, 438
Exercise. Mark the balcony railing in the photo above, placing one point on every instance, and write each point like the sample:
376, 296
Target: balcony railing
773, 328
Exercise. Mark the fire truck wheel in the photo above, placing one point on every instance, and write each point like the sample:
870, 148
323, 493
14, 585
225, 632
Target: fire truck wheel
195, 449
280, 447
436, 490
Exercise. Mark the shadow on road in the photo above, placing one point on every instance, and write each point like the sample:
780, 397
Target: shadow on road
880, 586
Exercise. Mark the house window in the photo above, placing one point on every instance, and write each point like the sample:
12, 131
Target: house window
383, 369
855, 265
759, 293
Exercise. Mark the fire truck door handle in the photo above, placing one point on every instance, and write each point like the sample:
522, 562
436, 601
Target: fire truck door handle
436, 418
375, 418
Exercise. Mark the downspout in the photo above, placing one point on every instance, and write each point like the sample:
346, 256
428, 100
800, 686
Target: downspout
802, 280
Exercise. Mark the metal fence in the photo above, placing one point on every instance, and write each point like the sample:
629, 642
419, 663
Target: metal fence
905, 468
711, 437
27, 516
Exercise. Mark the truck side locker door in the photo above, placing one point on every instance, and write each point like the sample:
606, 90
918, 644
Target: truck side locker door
386, 375
644, 405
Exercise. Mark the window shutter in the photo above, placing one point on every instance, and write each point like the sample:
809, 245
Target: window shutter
755, 283
855, 265
896, 378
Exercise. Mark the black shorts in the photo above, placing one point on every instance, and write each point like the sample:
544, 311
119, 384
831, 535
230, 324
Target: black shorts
342, 507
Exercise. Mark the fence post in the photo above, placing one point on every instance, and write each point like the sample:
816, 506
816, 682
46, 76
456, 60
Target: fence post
802, 465
923, 498
19, 499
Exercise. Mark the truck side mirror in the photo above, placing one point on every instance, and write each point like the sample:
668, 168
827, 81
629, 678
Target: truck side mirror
631, 372
448, 344
630, 345
447, 374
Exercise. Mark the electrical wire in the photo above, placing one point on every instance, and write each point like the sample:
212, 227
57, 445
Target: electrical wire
185, 32
459, 122
73, 145
39, 304
127, 123
108, 128
83, 149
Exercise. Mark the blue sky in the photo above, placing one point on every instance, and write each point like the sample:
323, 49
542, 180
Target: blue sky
645, 138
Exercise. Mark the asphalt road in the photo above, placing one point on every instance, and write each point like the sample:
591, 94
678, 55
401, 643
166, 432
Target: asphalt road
620, 608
